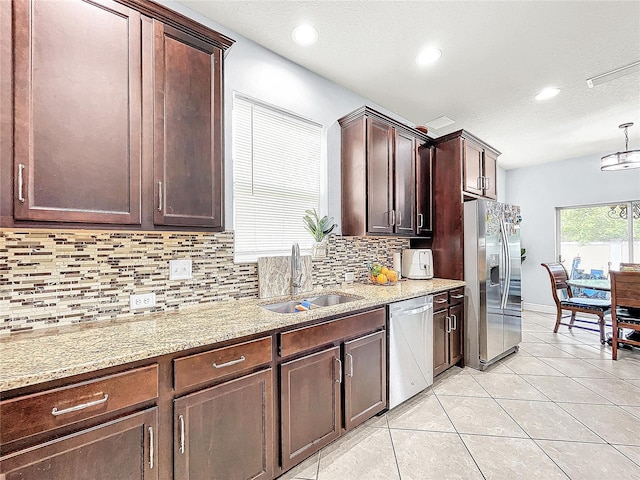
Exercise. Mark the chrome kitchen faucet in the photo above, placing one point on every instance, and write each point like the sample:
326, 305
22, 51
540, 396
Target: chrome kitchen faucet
296, 270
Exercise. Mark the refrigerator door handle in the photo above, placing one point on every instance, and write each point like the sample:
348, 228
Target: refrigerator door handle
507, 263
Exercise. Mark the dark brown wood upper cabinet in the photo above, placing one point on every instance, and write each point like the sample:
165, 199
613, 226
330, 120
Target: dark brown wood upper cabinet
77, 94
117, 116
187, 160
479, 169
386, 177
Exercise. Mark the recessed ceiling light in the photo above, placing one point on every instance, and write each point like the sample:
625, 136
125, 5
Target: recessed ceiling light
304, 35
428, 55
547, 93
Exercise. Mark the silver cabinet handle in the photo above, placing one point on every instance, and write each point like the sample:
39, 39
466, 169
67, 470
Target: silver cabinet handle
440, 301
20, 182
448, 324
151, 447
457, 296
420, 220
228, 364
487, 185
181, 418
455, 322
392, 215
339, 380
399, 217
479, 183
159, 196
350, 364
82, 406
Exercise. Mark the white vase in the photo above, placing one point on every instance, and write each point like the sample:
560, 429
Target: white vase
320, 249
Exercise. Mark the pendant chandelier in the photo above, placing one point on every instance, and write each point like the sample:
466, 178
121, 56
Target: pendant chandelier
622, 160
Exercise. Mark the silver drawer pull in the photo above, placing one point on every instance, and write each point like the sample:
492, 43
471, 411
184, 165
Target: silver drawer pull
228, 364
457, 296
151, 448
181, 418
20, 182
82, 406
440, 301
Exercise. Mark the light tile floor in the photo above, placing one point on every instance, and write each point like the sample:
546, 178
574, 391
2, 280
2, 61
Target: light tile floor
559, 408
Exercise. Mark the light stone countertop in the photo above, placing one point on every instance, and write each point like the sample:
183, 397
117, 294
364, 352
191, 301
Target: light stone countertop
34, 357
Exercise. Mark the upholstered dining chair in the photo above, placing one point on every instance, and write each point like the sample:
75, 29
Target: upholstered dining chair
565, 301
625, 307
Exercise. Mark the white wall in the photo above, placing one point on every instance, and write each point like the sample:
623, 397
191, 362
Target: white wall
259, 73
539, 190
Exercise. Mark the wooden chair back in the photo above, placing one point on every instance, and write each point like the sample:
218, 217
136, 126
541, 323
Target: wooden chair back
558, 276
625, 288
630, 267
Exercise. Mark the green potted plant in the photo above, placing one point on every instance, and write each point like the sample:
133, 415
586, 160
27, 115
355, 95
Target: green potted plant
319, 228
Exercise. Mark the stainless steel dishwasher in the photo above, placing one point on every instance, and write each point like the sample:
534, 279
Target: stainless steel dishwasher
410, 348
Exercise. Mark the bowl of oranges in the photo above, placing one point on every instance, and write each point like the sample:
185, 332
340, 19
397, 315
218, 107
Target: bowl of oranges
381, 275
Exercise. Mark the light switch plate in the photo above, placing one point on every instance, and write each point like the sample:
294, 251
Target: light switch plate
180, 269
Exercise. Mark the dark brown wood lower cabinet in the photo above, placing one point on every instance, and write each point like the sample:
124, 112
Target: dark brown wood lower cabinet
440, 342
456, 336
310, 404
124, 449
226, 432
448, 337
365, 378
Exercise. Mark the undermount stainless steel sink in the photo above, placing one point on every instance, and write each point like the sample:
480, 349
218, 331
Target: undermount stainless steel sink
316, 302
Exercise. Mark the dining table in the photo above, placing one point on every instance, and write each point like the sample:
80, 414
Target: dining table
603, 284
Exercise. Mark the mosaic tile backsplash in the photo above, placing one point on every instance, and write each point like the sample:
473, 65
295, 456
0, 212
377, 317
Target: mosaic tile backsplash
51, 278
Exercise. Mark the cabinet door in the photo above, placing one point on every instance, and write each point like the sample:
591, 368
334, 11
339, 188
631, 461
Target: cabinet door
310, 404
125, 449
379, 177
456, 336
472, 168
490, 162
440, 342
424, 191
365, 378
405, 183
226, 432
77, 100
187, 161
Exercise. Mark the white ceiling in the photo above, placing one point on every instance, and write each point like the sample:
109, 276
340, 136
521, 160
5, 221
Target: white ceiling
496, 57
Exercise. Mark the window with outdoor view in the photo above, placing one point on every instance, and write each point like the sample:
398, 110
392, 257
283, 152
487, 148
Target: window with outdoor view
277, 165
594, 239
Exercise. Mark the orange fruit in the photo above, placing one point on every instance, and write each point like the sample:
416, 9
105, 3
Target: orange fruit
392, 276
382, 279
384, 270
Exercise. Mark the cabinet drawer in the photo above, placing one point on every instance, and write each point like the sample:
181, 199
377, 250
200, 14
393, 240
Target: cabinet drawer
440, 301
456, 296
306, 338
207, 366
51, 409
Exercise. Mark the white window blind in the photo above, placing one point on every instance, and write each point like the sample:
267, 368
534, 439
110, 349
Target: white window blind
276, 177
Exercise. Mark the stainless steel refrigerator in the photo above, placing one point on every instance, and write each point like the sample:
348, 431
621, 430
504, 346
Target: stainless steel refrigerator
493, 327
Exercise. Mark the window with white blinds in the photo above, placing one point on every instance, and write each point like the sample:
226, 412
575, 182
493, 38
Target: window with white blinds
277, 160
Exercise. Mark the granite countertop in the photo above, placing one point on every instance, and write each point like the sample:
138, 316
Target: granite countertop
51, 354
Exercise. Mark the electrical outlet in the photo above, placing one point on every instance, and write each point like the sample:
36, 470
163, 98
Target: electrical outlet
180, 269
143, 300
349, 277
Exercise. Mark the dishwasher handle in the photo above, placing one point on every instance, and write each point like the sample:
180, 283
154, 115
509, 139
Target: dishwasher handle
415, 311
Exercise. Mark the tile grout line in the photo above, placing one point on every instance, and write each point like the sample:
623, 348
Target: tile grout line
393, 447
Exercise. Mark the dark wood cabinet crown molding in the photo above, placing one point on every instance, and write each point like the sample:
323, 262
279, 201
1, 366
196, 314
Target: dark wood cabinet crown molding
466, 135
368, 111
179, 21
